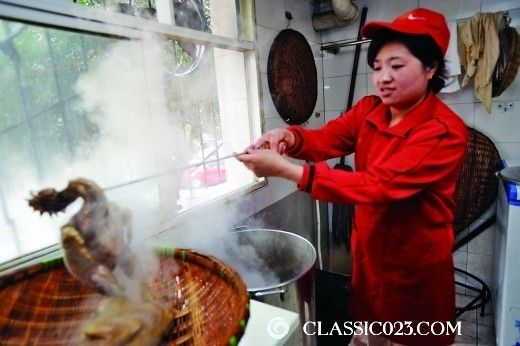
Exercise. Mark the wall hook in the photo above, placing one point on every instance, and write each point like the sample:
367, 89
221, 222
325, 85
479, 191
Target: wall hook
289, 17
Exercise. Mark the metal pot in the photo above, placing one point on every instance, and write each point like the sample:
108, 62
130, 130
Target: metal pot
510, 174
277, 267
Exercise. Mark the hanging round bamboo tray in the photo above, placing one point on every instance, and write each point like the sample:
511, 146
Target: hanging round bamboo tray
42, 304
292, 77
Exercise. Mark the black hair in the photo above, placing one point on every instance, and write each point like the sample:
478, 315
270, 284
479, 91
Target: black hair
423, 47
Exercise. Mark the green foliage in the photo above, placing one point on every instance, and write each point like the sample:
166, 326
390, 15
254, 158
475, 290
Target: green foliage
207, 13
38, 90
39, 68
89, 2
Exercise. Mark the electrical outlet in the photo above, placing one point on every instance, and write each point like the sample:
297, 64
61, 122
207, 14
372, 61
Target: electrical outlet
504, 106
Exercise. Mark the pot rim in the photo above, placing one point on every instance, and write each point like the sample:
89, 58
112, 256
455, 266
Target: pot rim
286, 282
510, 174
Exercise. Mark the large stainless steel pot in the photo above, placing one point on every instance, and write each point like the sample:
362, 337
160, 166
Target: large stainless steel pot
277, 267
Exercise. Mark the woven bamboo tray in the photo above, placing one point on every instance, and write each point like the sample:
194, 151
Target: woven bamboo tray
477, 187
43, 304
292, 77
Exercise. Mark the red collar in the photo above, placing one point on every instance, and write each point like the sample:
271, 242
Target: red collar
421, 113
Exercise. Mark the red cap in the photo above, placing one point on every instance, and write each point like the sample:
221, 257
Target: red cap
420, 21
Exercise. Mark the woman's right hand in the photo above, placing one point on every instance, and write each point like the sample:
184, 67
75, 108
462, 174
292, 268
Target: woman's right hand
277, 139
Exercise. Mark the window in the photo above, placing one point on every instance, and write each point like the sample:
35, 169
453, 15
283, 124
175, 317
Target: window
146, 109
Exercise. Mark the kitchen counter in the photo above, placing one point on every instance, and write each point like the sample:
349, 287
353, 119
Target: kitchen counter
269, 325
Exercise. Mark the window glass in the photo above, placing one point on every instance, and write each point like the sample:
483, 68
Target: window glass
216, 16
122, 113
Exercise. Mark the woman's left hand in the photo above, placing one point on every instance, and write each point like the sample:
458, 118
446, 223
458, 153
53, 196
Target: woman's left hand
268, 163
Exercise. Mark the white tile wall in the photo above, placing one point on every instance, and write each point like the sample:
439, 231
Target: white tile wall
509, 150
460, 259
273, 192
499, 5
301, 25
361, 87
336, 90
515, 17
269, 108
265, 37
340, 64
453, 9
388, 10
273, 123
270, 14
315, 122
299, 8
329, 115
464, 95
318, 57
371, 90
320, 105
466, 111
304, 26
484, 243
480, 266
499, 126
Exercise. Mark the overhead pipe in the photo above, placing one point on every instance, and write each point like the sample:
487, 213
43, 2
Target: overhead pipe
344, 12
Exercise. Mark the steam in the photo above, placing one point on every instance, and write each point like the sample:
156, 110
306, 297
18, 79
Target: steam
117, 95
135, 267
243, 258
139, 135
263, 258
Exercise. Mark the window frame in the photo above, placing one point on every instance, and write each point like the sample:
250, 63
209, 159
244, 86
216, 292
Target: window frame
61, 14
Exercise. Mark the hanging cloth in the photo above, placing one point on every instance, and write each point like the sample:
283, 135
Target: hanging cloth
452, 62
478, 51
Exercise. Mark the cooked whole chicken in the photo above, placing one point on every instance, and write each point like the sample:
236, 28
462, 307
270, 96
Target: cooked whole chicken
95, 240
119, 321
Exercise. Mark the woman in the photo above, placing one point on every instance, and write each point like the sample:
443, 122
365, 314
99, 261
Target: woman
409, 148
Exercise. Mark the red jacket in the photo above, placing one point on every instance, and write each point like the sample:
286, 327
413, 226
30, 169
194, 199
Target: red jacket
403, 189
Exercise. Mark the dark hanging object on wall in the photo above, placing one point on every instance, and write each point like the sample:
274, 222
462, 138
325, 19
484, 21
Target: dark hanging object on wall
508, 60
292, 77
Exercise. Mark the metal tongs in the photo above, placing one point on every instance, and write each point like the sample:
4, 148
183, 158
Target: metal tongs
263, 146
180, 169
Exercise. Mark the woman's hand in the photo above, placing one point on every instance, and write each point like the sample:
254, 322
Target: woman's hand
277, 140
268, 163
